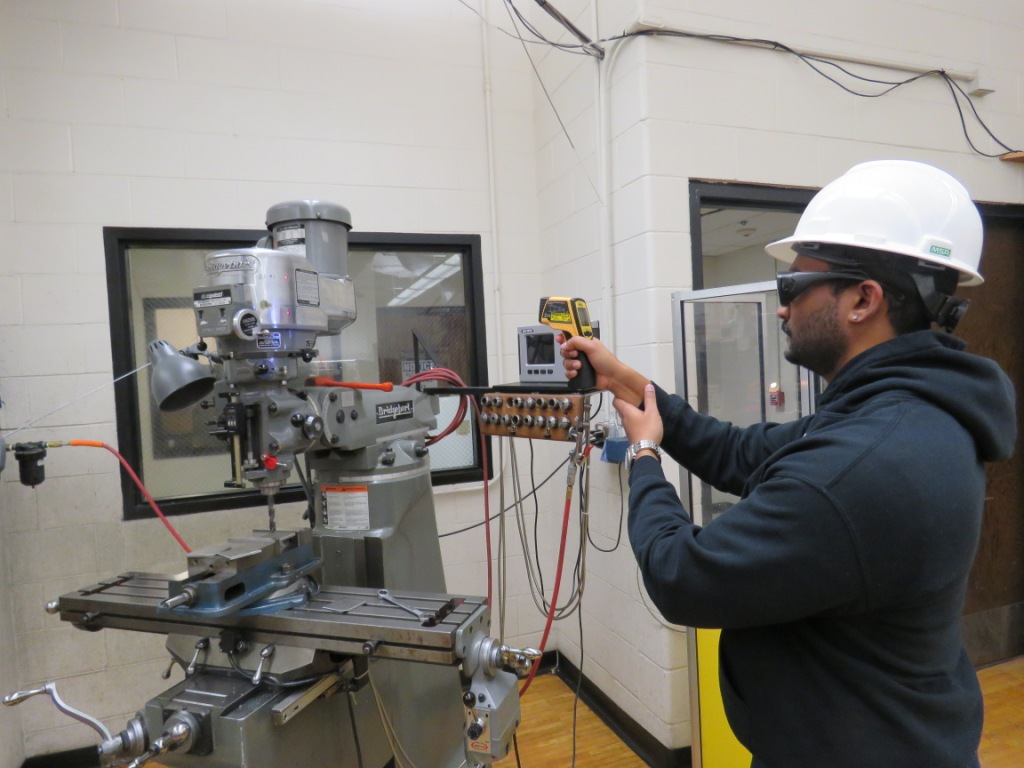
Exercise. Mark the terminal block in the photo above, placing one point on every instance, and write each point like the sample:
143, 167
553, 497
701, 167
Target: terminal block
534, 416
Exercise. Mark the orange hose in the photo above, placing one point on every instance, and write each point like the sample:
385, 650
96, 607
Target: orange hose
327, 381
138, 482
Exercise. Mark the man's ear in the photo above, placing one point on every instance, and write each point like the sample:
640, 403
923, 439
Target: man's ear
868, 300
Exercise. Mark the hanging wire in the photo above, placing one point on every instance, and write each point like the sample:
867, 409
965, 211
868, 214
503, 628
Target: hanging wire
532, 562
510, 7
494, 517
817, 63
536, 516
622, 517
577, 50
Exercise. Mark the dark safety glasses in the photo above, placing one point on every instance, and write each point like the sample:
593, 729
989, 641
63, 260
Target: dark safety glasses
792, 284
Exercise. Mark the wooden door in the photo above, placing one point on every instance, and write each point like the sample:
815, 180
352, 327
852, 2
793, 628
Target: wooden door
994, 612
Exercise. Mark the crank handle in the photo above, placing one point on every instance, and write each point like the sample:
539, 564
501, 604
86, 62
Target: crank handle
181, 731
51, 690
518, 660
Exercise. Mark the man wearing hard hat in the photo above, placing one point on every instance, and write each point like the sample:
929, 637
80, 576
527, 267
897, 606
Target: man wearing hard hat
839, 577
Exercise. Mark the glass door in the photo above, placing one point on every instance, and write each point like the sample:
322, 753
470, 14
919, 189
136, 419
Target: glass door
730, 363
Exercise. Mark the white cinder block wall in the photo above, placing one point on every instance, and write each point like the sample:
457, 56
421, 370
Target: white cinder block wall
201, 113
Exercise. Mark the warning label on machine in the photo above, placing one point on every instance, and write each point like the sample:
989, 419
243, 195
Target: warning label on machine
346, 507
307, 287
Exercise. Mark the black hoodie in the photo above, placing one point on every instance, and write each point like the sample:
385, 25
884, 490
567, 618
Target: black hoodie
839, 577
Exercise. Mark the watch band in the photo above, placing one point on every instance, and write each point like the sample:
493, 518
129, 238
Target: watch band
641, 445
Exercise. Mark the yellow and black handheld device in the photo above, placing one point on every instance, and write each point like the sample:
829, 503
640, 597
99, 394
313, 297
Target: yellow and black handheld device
571, 317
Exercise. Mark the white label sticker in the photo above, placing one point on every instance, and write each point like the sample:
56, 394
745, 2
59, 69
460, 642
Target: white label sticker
346, 507
216, 298
271, 341
307, 288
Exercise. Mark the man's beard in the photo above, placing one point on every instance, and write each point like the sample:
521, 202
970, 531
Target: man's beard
819, 343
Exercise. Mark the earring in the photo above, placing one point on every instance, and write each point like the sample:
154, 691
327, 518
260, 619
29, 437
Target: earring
855, 318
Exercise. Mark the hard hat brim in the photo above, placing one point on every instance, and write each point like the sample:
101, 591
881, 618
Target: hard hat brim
785, 251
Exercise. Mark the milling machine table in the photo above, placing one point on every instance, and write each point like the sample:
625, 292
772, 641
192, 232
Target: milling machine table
338, 619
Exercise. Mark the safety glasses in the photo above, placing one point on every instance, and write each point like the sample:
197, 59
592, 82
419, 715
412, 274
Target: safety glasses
792, 284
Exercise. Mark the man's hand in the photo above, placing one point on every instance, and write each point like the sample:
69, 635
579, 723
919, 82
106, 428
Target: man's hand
611, 373
643, 424
600, 358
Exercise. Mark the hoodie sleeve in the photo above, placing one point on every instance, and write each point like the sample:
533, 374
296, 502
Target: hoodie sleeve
716, 451
783, 553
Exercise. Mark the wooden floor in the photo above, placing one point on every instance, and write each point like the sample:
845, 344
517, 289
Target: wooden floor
1002, 743
545, 737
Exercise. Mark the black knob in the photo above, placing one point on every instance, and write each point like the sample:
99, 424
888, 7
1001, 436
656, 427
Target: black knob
468, 699
475, 729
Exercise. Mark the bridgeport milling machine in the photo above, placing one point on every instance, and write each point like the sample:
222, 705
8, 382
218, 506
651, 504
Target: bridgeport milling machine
334, 645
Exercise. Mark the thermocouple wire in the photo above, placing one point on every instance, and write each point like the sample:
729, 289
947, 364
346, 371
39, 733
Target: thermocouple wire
72, 402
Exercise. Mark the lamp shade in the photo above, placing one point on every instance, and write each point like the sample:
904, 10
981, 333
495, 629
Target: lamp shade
176, 381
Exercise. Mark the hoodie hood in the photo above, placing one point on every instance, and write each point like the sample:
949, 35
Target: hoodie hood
936, 367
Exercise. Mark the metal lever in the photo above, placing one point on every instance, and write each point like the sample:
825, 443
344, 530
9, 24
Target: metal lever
186, 597
51, 689
201, 645
265, 654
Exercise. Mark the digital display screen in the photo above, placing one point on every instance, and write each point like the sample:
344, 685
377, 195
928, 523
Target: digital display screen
581, 311
540, 349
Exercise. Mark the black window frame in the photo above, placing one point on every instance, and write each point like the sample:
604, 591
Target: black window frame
118, 240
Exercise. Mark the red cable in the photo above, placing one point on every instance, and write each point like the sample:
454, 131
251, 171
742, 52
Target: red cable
554, 592
131, 472
327, 381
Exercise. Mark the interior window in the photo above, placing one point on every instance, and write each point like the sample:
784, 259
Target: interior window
420, 306
732, 223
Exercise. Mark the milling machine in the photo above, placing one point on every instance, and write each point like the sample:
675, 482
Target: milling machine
335, 645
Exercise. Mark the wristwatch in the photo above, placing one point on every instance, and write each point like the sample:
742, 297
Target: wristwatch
641, 445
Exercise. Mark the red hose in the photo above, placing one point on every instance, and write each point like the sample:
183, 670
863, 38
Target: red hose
138, 482
327, 381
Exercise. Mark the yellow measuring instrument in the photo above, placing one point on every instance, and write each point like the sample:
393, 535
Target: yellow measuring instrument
571, 317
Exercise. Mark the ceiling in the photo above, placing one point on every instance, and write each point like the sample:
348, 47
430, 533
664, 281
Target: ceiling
728, 230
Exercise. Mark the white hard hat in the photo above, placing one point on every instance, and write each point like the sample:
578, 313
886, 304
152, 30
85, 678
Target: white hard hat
897, 206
